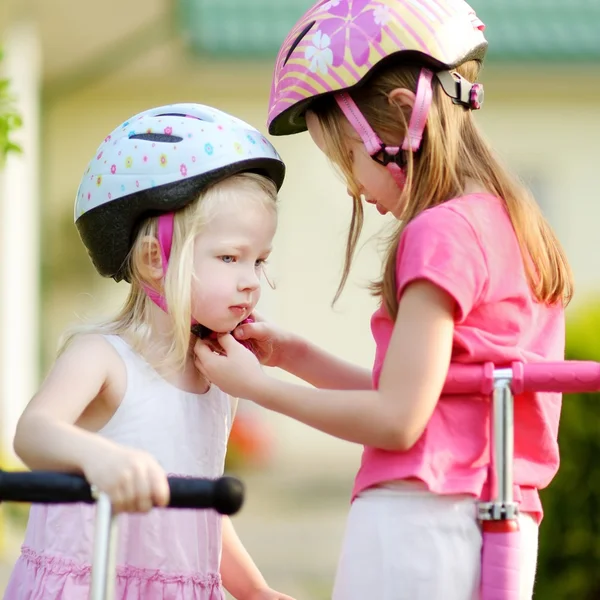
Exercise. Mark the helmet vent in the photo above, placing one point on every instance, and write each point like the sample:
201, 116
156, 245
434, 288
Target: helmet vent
298, 40
205, 117
156, 137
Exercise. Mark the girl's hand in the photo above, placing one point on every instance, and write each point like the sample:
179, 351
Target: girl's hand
268, 341
133, 479
236, 370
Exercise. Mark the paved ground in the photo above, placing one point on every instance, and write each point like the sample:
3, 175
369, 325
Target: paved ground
292, 525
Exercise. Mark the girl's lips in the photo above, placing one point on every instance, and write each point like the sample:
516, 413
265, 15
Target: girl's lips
380, 209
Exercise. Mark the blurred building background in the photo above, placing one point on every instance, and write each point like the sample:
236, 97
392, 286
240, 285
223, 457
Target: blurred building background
78, 69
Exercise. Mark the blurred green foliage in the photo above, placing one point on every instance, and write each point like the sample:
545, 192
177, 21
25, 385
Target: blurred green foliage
569, 555
9, 119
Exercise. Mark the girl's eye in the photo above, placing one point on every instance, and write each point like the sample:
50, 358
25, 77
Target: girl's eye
261, 262
227, 259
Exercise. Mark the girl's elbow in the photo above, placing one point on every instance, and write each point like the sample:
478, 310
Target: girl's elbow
22, 440
402, 438
19, 443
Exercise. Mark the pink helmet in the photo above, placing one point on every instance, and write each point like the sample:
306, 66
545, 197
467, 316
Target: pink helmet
337, 44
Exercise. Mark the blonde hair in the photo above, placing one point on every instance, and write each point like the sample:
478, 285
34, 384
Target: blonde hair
133, 320
453, 150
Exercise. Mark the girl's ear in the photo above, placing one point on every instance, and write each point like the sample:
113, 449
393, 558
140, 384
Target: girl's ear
403, 100
151, 267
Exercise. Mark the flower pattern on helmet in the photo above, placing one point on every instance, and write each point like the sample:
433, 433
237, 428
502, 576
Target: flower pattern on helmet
335, 44
319, 54
382, 14
126, 163
350, 24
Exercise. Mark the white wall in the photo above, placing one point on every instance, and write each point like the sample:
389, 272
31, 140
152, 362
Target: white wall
539, 131
545, 122
306, 264
560, 147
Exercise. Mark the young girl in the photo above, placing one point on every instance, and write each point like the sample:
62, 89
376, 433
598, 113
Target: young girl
180, 201
473, 273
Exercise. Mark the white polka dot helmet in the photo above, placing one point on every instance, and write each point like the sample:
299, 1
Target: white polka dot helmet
157, 162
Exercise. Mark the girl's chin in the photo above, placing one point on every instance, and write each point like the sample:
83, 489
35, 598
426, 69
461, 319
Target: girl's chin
380, 209
205, 331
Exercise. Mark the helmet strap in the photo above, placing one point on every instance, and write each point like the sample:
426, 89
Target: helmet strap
164, 236
392, 157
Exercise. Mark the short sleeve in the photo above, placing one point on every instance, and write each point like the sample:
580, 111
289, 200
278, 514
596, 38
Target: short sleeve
441, 246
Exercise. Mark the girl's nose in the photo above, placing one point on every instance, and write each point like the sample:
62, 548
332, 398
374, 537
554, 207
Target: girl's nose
250, 280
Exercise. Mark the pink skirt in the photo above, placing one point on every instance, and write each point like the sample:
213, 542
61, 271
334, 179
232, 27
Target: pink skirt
40, 577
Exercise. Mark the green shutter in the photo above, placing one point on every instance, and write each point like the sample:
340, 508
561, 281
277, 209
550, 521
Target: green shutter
541, 30
534, 30
239, 28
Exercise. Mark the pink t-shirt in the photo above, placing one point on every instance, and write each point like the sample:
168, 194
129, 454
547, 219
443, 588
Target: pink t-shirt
467, 247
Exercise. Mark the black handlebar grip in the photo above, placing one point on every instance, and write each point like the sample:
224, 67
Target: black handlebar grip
225, 495
43, 487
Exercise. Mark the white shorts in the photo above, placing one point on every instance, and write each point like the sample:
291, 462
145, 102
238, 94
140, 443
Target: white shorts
405, 543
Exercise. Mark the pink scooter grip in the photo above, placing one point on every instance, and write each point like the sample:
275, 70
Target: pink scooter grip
567, 376
470, 379
500, 560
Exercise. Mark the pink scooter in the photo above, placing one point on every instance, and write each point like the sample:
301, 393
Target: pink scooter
499, 517
500, 557
225, 495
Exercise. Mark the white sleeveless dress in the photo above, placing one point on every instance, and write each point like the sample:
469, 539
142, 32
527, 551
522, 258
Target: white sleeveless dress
167, 554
